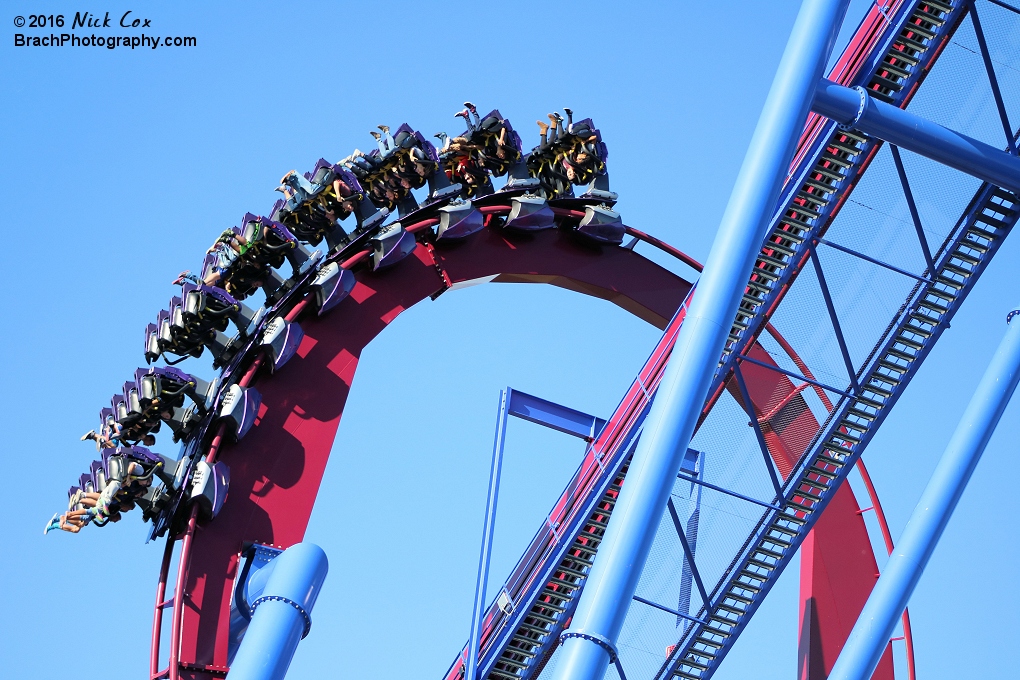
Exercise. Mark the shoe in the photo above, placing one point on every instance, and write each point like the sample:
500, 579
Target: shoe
91, 434
470, 107
384, 128
186, 276
375, 135
567, 111
461, 114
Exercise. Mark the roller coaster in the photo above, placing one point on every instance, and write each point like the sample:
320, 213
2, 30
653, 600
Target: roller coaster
835, 316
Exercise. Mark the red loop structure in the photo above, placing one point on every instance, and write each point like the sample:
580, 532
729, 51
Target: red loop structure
277, 468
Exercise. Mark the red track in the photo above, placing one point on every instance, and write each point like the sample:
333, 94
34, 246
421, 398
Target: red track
276, 470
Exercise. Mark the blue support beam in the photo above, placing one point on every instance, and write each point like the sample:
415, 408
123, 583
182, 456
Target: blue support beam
798, 376
912, 207
668, 610
281, 614
992, 80
834, 318
875, 261
759, 435
720, 489
887, 601
1004, 5
488, 529
613, 578
555, 416
688, 551
854, 108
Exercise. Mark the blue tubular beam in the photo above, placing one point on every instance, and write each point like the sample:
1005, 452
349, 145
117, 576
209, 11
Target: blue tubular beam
853, 108
281, 616
871, 633
505, 398
613, 579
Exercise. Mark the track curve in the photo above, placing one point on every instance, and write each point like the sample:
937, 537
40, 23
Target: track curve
276, 471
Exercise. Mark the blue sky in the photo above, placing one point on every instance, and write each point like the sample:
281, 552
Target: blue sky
122, 166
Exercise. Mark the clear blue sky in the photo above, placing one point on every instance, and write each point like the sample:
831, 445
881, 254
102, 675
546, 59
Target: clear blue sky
121, 167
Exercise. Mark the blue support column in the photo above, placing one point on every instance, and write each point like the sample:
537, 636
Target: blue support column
487, 531
885, 605
854, 108
681, 395
281, 615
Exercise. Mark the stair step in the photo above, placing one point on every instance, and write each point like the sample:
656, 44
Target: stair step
911, 44
792, 222
821, 472
900, 354
815, 199
803, 210
848, 149
881, 81
968, 259
899, 55
732, 610
828, 173
920, 30
983, 233
899, 368
965, 273
780, 248
992, 221
523, 652
914, 344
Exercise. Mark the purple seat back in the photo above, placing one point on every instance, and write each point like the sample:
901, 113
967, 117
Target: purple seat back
277, 208
171, 373
217, 294
320, 164
278, 230
348, 178
140, 454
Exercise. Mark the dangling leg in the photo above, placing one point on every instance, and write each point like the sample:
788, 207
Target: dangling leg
474, 112
379, 141
554, 134
570, 118
391, 146
544, 129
